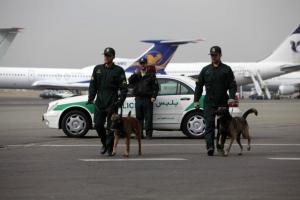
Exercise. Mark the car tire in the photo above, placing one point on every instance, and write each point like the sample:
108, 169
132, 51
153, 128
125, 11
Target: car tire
193, 125
75, 123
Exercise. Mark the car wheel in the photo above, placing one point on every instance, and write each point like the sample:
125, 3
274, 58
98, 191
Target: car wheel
193, 125
75, 123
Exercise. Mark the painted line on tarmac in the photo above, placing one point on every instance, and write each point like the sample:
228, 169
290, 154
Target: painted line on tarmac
284, 158
146, 145
159, 144
97, 145
132, 159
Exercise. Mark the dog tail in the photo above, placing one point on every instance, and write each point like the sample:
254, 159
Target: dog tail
251, 110
129, 114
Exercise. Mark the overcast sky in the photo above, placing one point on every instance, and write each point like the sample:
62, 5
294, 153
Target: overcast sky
73, 33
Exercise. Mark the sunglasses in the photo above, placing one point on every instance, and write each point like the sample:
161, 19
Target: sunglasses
107, 55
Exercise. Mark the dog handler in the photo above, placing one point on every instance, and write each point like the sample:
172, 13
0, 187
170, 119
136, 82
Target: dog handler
217, 78
145, 90
106, 81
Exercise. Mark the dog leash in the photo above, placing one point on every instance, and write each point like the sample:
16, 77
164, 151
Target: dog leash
231, 110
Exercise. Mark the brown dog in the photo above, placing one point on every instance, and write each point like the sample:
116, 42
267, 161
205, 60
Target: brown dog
233, 127
128, 125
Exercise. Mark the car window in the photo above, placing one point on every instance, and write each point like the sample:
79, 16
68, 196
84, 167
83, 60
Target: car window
173, 87
184, 89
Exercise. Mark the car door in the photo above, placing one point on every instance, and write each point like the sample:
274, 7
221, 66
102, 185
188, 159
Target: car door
173, 98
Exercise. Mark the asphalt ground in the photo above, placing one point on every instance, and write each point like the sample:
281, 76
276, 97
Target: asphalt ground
41, 163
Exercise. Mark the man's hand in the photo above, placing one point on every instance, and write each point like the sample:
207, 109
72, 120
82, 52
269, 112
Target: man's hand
89, 102
231, 101
196, 105
118, 103
152, 99
137, 71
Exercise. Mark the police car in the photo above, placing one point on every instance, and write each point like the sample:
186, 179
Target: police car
172, 110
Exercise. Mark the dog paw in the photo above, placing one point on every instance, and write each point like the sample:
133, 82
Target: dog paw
248, 148
111, 154
140, 153
125, 155
240, 154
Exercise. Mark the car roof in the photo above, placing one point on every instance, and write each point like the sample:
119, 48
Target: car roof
186, 79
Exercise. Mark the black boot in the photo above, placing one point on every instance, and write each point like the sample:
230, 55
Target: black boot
220, 148
149, 135
210, 151
142, 135
110, 142
103, 149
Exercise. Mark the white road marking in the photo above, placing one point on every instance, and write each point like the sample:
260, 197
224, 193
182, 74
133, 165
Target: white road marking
132, 159
284, 158
20, 145
159, 144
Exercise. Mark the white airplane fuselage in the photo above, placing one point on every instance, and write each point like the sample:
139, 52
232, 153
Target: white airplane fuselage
285, 59
242, 71
25, 78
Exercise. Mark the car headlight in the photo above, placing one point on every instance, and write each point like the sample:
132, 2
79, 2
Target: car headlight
52, 105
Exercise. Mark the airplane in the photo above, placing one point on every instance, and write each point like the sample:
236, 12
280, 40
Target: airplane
159, 54
285, 59
287, 84
7, 35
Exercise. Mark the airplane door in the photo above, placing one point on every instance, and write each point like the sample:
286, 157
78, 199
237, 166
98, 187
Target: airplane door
31, 76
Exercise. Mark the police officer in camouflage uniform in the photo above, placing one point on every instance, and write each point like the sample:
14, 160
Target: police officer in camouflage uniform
145, 90
108, 82
217, 78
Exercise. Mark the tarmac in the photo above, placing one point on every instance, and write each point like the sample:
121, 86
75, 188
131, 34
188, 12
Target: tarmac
41, 163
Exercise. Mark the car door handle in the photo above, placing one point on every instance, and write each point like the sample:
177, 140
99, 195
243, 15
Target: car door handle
185, 98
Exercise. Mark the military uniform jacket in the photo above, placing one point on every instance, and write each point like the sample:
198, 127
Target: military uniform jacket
106, 82
217, 81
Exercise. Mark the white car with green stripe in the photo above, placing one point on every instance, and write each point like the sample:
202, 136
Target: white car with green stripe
173, 110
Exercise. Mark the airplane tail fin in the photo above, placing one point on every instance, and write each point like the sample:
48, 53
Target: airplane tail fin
159, 54
289, 51
7, 35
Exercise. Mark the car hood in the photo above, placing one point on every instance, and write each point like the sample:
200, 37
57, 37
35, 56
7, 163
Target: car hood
73, 99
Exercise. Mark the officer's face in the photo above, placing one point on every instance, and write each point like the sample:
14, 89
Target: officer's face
143, 66
108, 59
216, 58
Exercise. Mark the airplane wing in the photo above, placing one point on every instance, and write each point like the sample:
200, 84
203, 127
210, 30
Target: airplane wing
290, 68
194, 76
60, 86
